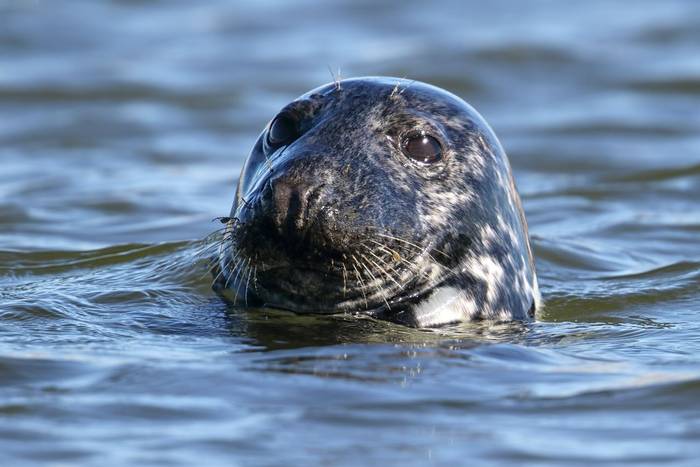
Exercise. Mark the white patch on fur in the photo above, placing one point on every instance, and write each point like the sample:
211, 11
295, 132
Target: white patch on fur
445, 305
506, 229
537, 295
491, 272
439, 213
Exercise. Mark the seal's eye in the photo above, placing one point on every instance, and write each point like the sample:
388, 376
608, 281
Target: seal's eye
283, 130
422, 147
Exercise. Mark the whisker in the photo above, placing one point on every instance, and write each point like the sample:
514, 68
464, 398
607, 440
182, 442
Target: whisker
411, 266
217, 231
236, 268
247, 282
235, 284
207, 248
395, 255
382, 269
345, 279
210, 270
358, 276
255, 277
382, 292
216, 278
336, 78
222, 271
426, 248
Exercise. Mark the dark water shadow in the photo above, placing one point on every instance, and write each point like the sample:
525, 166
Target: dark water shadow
275, 330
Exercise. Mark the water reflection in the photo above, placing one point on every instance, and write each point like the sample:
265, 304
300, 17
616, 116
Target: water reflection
123, 126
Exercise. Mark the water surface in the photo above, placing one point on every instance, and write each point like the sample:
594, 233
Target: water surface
123, 126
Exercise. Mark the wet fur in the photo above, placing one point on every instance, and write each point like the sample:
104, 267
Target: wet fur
421, 244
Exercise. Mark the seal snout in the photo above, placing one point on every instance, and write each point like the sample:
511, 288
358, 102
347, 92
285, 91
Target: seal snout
291, 204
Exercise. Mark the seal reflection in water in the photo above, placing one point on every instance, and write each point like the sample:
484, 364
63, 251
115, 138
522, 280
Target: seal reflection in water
379, 196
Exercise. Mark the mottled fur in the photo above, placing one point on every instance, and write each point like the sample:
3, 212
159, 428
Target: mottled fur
413, 243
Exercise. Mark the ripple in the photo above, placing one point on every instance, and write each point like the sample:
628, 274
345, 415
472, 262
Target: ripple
36, 370
515, 54
679, 271
123, 131
577, 255
119, 92
621, 129
55, 262
597, 305
674, 85
659, 174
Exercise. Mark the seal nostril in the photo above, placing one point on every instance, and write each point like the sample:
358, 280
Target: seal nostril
290, 206
295, 211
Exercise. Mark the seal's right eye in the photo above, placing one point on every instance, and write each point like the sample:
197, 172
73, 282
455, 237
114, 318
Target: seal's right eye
422, 147
283, 130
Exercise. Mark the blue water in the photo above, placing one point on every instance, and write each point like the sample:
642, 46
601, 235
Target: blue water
123, 127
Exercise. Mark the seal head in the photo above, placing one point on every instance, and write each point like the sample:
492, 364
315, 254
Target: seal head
380, 196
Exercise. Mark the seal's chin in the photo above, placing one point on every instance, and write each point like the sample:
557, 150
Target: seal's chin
308, 289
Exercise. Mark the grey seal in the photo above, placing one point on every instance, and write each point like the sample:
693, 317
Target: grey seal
379, 196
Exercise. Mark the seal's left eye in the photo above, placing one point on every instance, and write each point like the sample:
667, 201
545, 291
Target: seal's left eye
283, 130
422, 147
